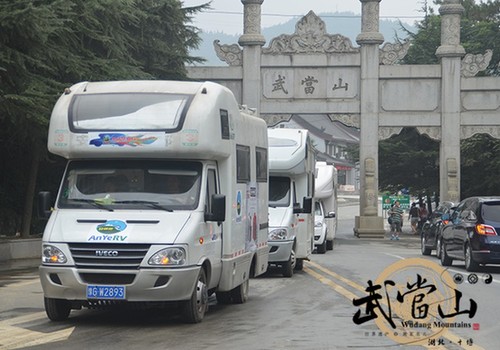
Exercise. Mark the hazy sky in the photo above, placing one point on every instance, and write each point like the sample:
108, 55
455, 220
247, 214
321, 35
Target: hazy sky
226, 15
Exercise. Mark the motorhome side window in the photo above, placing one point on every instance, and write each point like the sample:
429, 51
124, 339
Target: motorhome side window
279, 191
242, 163
261, 160
134, 184
211, 189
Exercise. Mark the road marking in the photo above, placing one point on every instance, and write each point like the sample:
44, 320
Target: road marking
455, 339
14, 337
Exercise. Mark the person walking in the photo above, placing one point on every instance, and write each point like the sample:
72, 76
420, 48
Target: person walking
396, 215
413, 216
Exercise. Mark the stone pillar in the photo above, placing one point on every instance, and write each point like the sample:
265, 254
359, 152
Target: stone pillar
252, 42
450, 52
369, 223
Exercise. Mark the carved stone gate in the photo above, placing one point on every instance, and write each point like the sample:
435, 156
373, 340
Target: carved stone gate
312, 71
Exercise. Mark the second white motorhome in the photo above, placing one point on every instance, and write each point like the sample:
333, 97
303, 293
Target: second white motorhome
325, 194
291, 193
164, 198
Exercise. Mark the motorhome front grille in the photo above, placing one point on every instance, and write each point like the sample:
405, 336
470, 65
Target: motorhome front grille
108, 256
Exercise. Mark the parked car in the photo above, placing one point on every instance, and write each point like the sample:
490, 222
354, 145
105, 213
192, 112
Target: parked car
430, 234
472, 233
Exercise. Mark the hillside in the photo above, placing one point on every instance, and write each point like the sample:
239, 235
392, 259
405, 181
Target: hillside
345, 23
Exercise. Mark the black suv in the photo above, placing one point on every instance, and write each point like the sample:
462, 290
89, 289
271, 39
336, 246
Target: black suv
472, 233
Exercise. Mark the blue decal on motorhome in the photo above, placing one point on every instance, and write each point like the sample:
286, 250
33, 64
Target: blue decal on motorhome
118, 139
111, 227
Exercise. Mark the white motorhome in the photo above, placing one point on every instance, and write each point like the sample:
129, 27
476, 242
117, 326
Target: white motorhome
291, 193
325, 195
164, 197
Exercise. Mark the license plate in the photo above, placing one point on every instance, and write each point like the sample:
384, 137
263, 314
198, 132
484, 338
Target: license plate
106, 292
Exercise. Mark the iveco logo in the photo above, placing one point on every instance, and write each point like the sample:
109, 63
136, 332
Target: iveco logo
106, 253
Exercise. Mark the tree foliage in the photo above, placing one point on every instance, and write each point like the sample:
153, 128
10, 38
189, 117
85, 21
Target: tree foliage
399, 156
47, 45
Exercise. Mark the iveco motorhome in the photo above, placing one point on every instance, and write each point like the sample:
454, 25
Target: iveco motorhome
291, 187
164, 198
325, 195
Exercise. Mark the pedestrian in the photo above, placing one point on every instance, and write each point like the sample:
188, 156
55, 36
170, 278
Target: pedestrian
413, 216
396, 215
422, 213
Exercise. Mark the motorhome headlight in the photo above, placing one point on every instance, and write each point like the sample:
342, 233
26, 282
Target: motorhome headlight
168, 256
278, 234
53, 255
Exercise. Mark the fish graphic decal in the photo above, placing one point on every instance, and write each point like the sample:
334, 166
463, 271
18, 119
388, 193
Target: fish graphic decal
118, 139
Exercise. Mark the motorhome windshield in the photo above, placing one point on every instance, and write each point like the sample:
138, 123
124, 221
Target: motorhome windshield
128, 111
279, 191
129, 184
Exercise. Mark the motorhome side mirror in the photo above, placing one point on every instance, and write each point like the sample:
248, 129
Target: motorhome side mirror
307, 205
330, 215
218, 205
44, 204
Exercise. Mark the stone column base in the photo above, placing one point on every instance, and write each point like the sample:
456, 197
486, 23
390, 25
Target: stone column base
369, 227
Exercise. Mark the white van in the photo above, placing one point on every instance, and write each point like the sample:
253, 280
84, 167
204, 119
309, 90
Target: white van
164, 198
325, 194
291, 193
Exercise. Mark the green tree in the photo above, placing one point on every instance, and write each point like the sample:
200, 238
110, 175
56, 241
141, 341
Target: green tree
46, 45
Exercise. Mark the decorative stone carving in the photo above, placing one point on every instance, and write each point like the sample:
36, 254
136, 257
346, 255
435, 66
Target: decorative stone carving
452, 180
370, 208
310, 38
390, 53
231, 54
352, 120
434, 132
473, 64
469, 131
384, 132
274, 119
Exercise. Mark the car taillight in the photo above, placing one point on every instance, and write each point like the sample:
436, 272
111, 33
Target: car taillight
486, 230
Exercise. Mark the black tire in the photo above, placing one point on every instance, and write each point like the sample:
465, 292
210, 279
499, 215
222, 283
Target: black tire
299, 264
329, 244
195, 308
240, 293
470, 264
223, 297
288, 267
321, 249
445, 259
423, 248
438, 246
57, 309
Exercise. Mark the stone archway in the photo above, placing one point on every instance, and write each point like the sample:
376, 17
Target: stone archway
318, 72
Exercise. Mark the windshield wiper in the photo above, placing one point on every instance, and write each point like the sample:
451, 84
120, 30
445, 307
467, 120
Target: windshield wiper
93, 202
149, 203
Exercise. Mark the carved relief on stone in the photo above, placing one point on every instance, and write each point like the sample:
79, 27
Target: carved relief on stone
393, 52
469, 131
346, 119
452, 179
434, 132
274, 119
473, 64
370, 16
310, 37
450, 30
384, 132
231, 54
252, 19
370, 208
